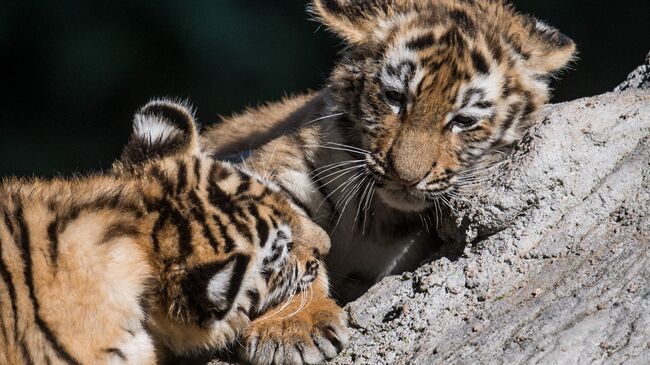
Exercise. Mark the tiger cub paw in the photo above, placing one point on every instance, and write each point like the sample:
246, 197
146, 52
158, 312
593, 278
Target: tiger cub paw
311, 336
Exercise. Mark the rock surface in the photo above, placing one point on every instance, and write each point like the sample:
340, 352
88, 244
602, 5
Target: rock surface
555, 263
557, 269
556, 266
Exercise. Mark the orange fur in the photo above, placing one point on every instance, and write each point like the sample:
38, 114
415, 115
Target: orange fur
177, 251
424, 98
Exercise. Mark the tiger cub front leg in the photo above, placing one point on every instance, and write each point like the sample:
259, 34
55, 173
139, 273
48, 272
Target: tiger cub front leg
309, 329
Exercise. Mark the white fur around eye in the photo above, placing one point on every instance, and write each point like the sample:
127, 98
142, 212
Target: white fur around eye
395, 109
456, 129
479, 116
219, 284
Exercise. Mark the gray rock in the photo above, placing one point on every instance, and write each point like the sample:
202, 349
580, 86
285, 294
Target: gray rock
556, 265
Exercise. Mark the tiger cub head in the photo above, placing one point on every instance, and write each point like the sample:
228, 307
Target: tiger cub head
230, 244
432, 87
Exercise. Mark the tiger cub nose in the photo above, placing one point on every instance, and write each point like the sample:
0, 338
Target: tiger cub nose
405, 178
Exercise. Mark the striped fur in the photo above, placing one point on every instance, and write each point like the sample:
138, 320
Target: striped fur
425, 93
177, 249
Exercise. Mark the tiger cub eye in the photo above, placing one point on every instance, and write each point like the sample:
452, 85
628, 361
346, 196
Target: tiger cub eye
464, 121
394, 97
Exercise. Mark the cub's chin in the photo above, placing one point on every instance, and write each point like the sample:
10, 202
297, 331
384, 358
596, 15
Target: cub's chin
403, 200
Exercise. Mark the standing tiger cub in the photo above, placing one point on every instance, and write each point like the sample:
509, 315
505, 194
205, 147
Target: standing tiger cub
425, 93
173, 250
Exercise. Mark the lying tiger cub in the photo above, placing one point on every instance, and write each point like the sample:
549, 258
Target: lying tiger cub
173, 250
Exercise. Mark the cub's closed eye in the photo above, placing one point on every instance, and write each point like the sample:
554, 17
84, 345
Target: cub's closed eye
464, 121
394, 97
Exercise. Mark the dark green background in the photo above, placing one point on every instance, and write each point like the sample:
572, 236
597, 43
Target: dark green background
73, 72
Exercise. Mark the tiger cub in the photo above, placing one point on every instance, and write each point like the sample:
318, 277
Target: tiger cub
424, 94
173, 250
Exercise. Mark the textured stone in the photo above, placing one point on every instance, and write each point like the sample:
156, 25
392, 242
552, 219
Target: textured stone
556, 264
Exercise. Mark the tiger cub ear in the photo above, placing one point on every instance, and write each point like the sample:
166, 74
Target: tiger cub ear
355, 21
162, 128
545, 49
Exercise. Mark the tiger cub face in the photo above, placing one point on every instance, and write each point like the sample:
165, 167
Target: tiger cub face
432, 87
250, 246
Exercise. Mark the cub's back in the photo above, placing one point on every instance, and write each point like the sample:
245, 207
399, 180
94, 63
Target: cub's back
68, 285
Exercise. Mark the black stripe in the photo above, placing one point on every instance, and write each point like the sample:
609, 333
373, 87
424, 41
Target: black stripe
181, 184
254, 297
453, 38
3, 326
163, 180
241, 220
530, 105
25, 352
241, 264
9, 224
244, 186
218, 173
266, 274
484, 104
219, 198
25, 246
198, 210
160, 223
470, 93
8, 280
480, 62
195, 282
163, 207
120, 229
357, 9
184, 230
421, 42
494, 45
277, 253
108, 201
53, 237
463, 20
261, 225
176, 114
274, 222
197, 170
229, 241
418, 89
514, 111
333, 6
117, 352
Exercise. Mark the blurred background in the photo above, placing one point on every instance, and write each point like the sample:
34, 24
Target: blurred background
73, 72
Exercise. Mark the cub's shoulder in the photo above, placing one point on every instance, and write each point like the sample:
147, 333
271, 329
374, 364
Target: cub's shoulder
254, 126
